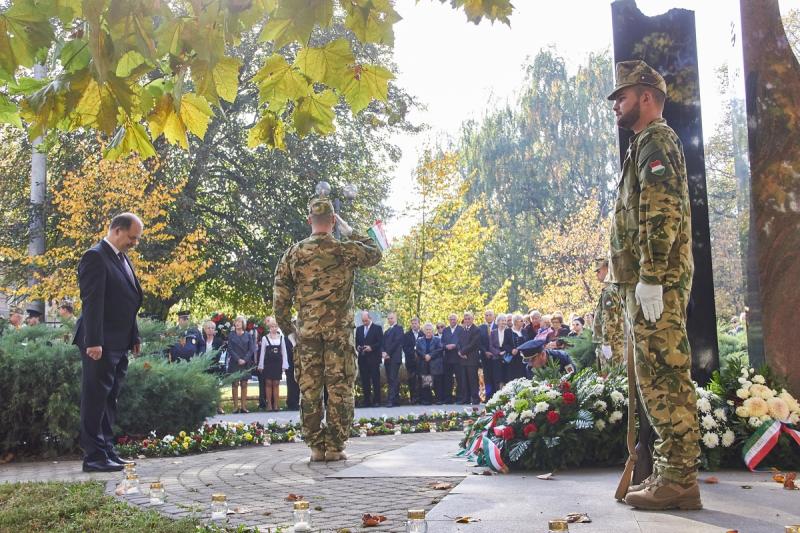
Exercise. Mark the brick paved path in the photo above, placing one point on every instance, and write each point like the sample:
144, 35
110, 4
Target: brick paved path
257, 480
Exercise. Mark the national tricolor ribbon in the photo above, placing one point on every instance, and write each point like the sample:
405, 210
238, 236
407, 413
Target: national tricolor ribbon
764, 440
379, 235
493, 456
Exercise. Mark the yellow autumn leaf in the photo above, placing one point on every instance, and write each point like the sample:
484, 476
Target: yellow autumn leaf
226, 78
165, 120
195, 114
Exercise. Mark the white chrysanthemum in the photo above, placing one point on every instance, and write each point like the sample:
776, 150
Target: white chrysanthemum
790, 401
758, 378
553, 394
526, 415
742, 412
752, 370
730, 402
778, 409
600, 405
719, 414
617, 397
703, 393
600, 424
743, 393
727, 438
711, 440
708, 422
541, 407
756, 406
754, 421
704, 405
766, 418
616, 416
511, 417
742, 380
762, 391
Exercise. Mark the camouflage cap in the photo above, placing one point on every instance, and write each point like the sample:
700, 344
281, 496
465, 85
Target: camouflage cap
600, 262
320, 206
637, 72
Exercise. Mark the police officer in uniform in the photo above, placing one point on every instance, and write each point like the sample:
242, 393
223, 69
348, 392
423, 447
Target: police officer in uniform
183, 350
316, 276
608, 331
536, 356
652, 265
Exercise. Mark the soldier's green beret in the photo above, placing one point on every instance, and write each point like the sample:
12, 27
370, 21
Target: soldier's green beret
637, 72
320, 206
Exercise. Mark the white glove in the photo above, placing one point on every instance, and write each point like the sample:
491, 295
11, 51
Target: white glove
606, 349
650, 299
344, 227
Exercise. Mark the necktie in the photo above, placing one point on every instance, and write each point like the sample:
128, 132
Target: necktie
127, 268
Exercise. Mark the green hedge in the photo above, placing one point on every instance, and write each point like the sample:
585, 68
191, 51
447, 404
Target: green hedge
40, 380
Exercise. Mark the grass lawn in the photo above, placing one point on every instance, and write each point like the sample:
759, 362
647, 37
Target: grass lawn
79, 507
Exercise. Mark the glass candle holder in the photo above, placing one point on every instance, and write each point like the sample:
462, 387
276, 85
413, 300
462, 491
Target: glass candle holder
398, 431
557, 526
219, 507
416, 522
131, 484
157, 493
433, 428
130, 468
302, 517
362, 433
267, 439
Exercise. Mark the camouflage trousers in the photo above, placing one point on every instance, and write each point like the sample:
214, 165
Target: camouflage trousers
663, 376
326, 363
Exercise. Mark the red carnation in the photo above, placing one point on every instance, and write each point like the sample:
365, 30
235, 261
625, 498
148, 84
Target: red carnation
569, 398
553, 417
565, 385
528, 429
498, 414
508, 433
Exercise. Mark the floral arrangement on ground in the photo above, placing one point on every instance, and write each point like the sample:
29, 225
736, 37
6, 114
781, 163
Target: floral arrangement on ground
548, 422
225, 435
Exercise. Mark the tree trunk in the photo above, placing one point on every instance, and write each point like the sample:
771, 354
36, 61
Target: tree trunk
38, 194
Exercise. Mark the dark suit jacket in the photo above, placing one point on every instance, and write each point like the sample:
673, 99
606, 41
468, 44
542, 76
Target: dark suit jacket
201, 344
448, 337
436, 365
410, 347
110, 302
393, 340
374, 339
469, 345
494, 343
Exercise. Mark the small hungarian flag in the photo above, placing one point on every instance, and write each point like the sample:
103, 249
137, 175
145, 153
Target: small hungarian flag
378, 235
493, 455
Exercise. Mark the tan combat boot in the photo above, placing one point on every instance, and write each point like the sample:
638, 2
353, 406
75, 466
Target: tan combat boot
665, 494
333, 455
317, 455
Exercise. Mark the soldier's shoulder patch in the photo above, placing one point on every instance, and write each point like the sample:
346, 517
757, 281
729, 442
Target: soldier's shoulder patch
657, 167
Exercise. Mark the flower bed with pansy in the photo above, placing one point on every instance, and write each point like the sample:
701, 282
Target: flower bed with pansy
225, 435
550, 423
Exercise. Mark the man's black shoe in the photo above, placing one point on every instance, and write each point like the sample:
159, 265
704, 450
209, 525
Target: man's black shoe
117, 459
102, 466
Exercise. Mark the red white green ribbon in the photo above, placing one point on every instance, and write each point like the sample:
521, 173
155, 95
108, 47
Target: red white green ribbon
763, 440
493, 456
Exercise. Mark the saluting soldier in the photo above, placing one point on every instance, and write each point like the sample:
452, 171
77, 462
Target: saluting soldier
316, 276
608, 331
651, 262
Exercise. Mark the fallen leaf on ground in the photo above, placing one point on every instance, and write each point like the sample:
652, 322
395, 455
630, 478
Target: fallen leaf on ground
712, 480
788, 483
440, 485
546, 477
266, 513
120, 490
343, 530
465, 519
746, 487
317, 507
240, 509
294, 497
778, 477
578, 518
371, 520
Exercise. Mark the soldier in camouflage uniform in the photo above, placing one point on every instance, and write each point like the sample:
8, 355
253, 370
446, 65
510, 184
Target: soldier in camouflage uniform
651, 263
316, 275
608, 331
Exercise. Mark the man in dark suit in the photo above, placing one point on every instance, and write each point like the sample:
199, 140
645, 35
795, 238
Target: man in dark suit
488, 362
469, 347
105, 332
369, 339
393, 339
452, 368
409, 350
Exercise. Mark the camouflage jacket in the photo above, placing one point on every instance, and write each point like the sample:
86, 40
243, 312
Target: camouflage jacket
316, 276
651, 234
608, 319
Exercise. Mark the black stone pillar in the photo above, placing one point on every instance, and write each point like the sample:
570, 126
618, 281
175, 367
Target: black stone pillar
668, 43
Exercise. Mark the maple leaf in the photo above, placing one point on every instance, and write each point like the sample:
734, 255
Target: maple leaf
366, 83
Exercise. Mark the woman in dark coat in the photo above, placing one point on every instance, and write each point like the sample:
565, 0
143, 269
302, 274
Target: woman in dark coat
430, 362
241, 357
516, 368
